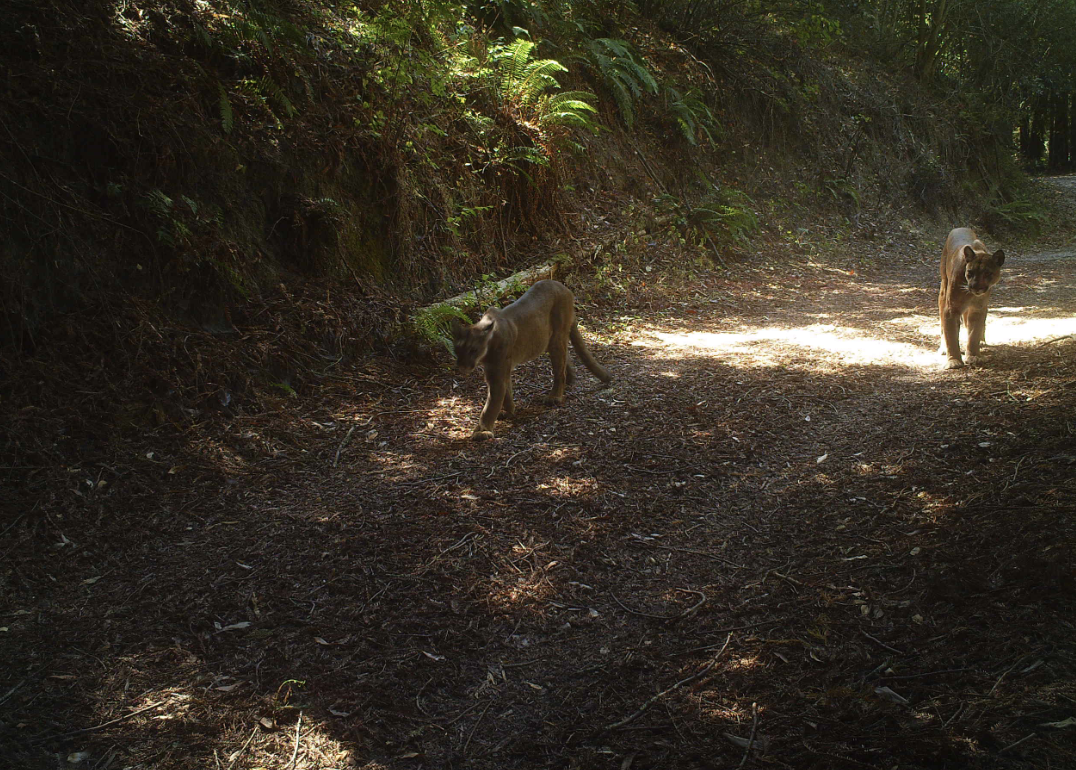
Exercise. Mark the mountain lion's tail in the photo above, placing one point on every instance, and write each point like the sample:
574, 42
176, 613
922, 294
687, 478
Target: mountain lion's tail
584, 355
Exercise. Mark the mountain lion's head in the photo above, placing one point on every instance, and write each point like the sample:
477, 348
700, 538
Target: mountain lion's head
981, 270
470, 343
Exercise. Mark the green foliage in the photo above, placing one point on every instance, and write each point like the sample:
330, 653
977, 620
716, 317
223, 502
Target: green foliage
227, 116
433, 324
1023, 214
623, 72
692, 115
264, 47
725, 215
524, 84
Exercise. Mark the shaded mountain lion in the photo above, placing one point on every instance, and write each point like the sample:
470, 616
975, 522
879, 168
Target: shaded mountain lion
968, 273
542, 320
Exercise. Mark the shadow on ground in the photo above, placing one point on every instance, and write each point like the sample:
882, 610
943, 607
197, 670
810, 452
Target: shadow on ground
782, 535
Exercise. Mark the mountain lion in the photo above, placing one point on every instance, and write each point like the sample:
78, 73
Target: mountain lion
541, 320
968, 273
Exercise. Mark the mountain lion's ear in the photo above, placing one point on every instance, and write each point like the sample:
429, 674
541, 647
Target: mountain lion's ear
999, 255
484, 325
969, 253
457, 328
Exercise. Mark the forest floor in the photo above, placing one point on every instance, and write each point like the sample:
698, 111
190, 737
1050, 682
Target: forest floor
783, 536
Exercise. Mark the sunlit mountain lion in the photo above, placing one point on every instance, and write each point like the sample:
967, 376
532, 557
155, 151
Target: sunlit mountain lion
968, 273
541, 320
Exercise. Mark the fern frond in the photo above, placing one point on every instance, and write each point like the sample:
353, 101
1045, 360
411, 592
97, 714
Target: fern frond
537, 79
158, 202
569, 108
227, 116
516, 57
623, 72
434, 324
692, 115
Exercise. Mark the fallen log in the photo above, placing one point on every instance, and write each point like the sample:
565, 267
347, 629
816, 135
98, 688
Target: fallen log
469, 300
433, 322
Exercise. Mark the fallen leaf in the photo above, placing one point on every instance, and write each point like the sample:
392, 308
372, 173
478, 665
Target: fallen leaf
91, 581
822, 459
236, 626
77, 756
889, 695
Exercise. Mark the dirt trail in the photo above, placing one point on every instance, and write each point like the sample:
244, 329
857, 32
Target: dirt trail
784, 526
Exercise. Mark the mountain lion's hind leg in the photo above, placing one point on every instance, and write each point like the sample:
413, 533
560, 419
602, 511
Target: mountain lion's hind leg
558, 355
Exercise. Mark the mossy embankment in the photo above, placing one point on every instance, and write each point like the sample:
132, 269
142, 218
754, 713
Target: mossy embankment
204, 202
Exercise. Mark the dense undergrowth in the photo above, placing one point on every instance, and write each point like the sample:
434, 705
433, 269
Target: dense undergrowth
276, 179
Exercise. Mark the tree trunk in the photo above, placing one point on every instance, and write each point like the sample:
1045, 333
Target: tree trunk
1037, 134
1059, 133
932, 24
1072, 132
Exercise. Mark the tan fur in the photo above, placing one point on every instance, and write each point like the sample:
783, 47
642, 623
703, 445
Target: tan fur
968, 273
541, 320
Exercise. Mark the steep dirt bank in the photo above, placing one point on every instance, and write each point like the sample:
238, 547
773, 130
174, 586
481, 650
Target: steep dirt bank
782, 526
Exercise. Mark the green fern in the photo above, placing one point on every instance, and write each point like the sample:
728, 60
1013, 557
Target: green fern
524, 87
264, 44
691, 114
227, 117
157, 202
434, 324
569, 108
523, 79
726, 212
623, 72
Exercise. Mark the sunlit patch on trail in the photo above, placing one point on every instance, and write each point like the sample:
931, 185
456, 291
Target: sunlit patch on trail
1005, 326
771, 346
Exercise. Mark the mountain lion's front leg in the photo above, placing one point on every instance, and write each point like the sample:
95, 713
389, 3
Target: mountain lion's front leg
975, 321
496, 380
950, 330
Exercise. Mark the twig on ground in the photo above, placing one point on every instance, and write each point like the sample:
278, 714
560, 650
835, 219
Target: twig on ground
927, 673
12, 524
1014, 745
691, 551
683, 614
234, 757
476, 724
879, 641
751, 740
1051, 342
655, 698
295, 751
103, 725
11, 692
339, 449
1003, 675
462, 714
